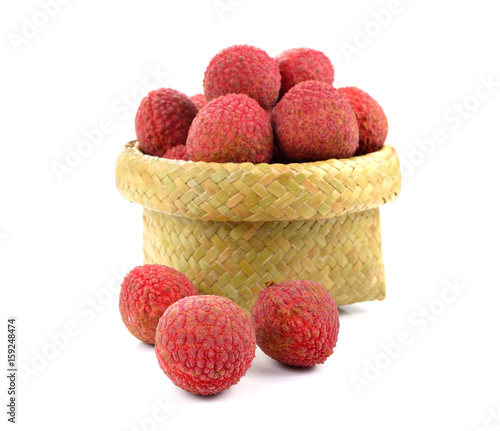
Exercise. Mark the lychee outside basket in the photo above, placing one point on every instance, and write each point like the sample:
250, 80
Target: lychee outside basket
232, 227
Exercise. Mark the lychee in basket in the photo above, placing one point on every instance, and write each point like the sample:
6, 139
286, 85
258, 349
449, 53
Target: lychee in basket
233, 227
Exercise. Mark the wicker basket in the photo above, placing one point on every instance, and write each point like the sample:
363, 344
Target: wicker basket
232, 227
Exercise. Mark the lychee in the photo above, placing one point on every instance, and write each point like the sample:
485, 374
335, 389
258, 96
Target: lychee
303, 64
314, 122
163, 120
231, 128
296, 322
243, 69
199, 100
205, 343
372, 122
177, 153
145, 294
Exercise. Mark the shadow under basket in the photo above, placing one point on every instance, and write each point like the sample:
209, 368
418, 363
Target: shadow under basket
233, 227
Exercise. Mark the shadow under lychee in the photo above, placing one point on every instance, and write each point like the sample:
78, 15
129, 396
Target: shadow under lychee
271, 367
351, 310
144, 347
296, 370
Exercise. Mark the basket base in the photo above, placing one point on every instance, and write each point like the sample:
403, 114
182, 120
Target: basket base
237, 259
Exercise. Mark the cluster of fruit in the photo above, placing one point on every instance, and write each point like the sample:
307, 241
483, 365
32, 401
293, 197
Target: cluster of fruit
206, 343
260, 109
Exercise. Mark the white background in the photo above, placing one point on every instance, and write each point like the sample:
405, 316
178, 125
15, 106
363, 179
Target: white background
66, 240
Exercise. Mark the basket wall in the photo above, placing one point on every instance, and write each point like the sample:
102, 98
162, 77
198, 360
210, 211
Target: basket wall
236, 259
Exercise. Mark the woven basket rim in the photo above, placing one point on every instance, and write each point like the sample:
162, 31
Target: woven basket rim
258, 192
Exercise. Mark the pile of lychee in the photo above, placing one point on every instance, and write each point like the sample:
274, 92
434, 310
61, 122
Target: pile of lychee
260, 109
254, 109
206, 343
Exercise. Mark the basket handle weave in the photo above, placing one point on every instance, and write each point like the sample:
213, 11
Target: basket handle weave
258, 192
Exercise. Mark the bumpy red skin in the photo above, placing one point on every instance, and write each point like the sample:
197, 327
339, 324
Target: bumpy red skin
163, 120
199, 100
177, 153
243, 69
296, 322
314, 122
372, 121
231, 128
303, 64
145, 294
205, 344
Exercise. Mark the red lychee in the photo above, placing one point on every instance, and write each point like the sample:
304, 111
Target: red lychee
163, 120
296, 322
243, 69
177, 153
231, 128
145, 294
314, 122
205, 343
199, 100
303, 64
372, 122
